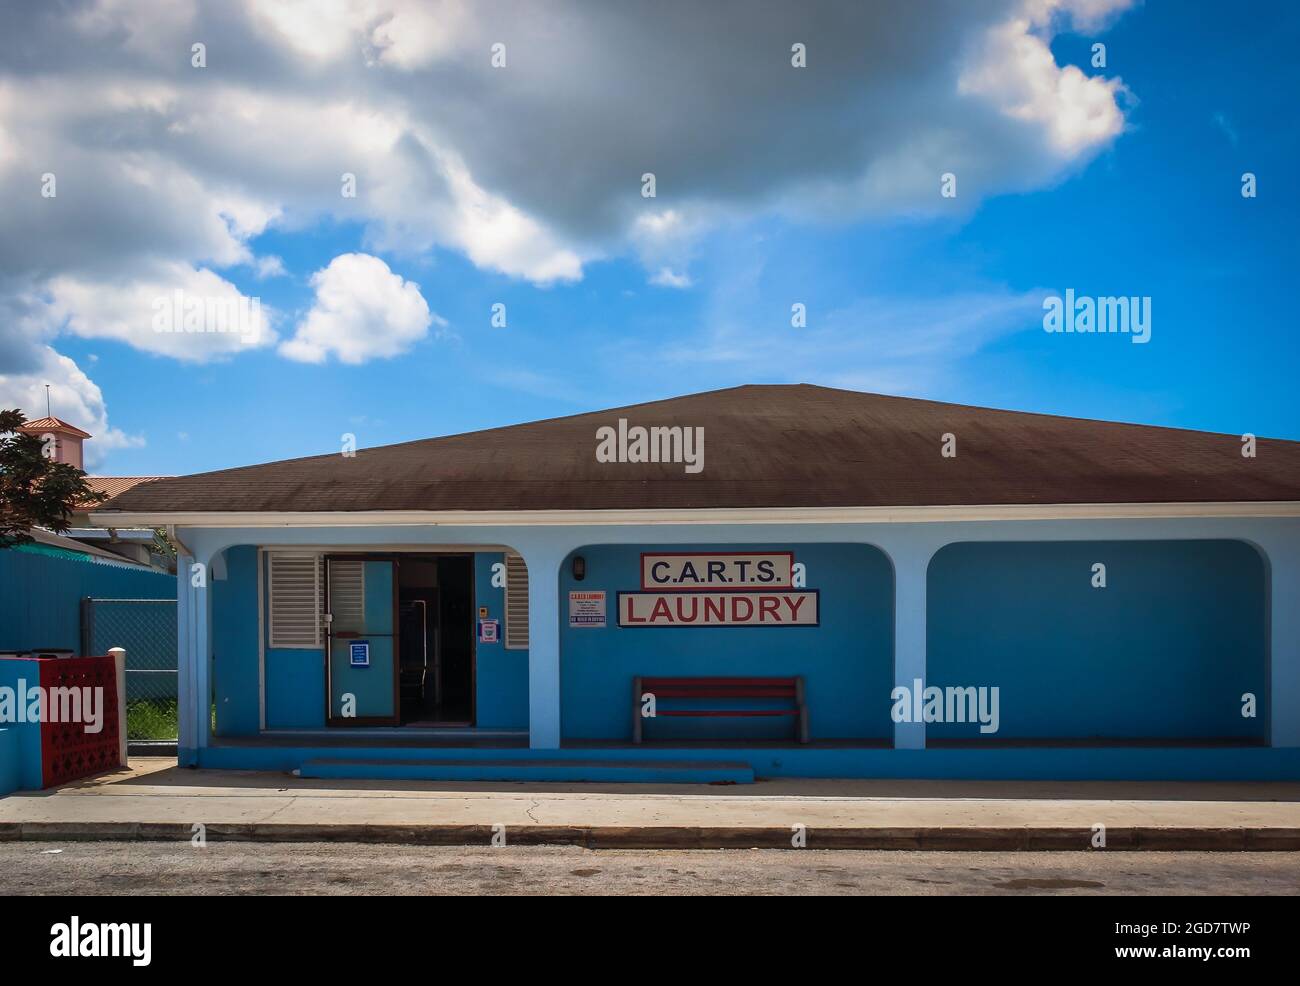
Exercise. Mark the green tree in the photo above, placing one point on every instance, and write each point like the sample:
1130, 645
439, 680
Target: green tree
35, 491
162, 546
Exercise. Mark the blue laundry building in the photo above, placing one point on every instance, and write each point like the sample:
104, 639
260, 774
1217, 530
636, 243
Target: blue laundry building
926, 589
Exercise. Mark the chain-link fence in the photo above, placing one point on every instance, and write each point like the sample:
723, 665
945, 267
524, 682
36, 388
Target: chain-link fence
146, 628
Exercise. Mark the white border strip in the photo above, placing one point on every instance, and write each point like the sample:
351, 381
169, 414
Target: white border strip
722, 515
261, 640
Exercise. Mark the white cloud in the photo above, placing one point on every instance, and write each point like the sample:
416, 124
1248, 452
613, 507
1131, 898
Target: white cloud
269, 266
496, 235
532, 171
318, 29
665, 277
1086, 15
665, 240
405, 34
416, 33
362, 311
151, 30
174, 310
1017, 73
74, 397
167, 173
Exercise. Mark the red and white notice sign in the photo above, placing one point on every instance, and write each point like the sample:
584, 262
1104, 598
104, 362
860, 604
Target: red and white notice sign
587, 609
782, 608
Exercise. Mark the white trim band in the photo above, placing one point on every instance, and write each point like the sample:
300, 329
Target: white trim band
716, 515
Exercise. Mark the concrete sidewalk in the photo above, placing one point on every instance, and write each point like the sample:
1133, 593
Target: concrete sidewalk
156, 800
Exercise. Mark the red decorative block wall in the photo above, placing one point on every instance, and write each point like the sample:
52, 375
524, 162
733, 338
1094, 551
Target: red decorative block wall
67, 750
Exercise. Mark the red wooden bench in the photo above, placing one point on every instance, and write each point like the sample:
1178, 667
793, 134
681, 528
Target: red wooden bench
713, 688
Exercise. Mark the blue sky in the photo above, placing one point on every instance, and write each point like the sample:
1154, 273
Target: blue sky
906, 295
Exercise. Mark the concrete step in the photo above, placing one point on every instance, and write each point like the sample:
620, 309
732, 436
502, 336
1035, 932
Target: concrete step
616, 771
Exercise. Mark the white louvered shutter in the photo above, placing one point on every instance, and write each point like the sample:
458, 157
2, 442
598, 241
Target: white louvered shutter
516, 603
294, 599
347, 596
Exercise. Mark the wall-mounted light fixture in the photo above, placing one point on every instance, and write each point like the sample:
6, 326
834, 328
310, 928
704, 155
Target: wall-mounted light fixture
579, 568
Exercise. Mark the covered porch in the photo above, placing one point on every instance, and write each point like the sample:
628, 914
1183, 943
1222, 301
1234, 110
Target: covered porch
570, 725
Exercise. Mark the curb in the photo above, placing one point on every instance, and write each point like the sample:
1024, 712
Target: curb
973, 839
151, 748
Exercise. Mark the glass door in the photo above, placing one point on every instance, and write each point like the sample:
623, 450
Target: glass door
361, 642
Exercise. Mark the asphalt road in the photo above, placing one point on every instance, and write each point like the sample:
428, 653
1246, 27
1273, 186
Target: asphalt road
334, 868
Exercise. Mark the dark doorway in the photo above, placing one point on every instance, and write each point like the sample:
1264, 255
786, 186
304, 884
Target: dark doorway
436, 610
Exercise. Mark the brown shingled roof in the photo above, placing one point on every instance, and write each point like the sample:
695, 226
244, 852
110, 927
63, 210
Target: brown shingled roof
765, 446
111, 486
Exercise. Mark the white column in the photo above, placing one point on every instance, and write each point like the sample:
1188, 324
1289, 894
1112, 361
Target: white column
119, 665
911, 563
1284, 640
543, 646
187, 737
193, 659
203, 659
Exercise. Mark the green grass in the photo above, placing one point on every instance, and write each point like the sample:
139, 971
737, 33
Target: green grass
151, 719
155, 719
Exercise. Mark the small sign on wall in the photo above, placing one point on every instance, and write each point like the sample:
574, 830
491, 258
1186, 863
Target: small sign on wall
488, 631
587, 609
359, 653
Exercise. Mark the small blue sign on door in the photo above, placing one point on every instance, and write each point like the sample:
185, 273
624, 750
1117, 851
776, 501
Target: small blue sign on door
359, 651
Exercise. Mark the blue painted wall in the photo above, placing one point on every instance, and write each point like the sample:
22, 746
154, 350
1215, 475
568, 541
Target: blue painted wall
41, 589
910, 546
501, 683
22, 754
1004, 763
295, 684
234, 644
9, 774
1165, 650
847, 662
295, 689
295, 679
